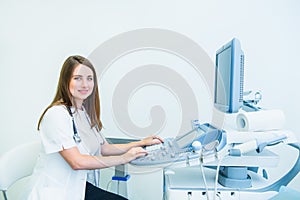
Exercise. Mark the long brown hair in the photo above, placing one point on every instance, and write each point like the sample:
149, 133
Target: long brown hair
63, 95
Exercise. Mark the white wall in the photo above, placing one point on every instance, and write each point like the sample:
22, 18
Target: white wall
37, 36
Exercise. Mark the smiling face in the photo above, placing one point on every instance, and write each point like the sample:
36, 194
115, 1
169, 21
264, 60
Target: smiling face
82, 84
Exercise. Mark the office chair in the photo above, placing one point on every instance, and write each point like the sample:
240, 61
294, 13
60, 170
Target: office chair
17, 164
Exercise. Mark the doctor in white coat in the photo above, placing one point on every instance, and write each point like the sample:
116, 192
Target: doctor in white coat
73, 146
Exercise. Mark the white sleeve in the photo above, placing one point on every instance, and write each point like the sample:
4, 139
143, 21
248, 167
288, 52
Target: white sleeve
56, 130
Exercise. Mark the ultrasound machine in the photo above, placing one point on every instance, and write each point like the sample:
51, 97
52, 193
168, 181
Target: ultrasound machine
210, 162
221, 162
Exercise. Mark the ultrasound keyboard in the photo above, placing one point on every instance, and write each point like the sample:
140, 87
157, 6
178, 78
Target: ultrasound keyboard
181, 148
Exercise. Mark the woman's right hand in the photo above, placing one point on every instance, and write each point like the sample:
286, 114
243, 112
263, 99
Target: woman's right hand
134, 153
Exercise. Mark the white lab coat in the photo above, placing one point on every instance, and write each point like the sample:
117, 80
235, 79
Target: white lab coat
53, 178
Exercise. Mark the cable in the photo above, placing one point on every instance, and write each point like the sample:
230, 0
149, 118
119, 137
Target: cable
204, 180
217, 176
202, 170
216, 180
109, 182
189, 195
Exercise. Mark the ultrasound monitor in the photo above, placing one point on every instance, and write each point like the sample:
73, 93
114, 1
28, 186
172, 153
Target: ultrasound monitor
229, 77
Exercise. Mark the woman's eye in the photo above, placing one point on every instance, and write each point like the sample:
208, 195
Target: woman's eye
77, 78
90, 78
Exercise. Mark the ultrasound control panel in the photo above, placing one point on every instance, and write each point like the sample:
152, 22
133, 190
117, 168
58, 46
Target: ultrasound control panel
190, 145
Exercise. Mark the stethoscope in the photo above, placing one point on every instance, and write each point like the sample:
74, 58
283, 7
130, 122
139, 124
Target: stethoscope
76, 136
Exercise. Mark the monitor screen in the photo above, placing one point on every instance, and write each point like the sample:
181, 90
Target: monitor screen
223, 77
229, 77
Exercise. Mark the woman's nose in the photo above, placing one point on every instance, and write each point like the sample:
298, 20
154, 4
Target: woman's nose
84, 83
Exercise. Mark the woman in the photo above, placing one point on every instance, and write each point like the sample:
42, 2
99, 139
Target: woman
73, 146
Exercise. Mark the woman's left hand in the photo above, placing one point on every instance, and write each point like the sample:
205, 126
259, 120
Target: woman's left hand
151, 140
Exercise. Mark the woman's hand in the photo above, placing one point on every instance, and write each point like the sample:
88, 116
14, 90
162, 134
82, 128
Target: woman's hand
134, 153
151, 140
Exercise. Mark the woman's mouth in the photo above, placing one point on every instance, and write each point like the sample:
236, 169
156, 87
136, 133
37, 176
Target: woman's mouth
83, 91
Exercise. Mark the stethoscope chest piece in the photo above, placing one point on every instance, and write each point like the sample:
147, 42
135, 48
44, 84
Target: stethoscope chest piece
76, 138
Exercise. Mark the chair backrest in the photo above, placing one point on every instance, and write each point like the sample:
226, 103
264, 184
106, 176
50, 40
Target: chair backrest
18, 163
